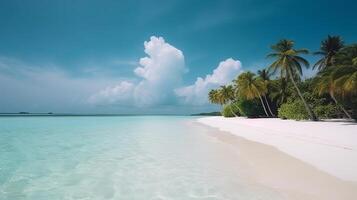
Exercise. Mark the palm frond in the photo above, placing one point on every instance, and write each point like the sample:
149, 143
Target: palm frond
302, 51
302, 61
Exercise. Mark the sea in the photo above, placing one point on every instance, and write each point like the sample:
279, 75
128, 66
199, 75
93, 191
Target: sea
120, 157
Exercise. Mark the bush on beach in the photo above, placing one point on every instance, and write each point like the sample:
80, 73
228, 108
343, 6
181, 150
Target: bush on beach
250, 108
326, 111
296, 110
293, 110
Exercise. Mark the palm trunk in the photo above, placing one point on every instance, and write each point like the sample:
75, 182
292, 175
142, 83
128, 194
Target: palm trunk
265, 110
237, 107
230, 106
266, 101
340, 106
307, 107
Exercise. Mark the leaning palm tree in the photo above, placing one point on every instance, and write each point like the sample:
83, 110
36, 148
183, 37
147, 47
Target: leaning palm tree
213, 96
227, 95
325, 83
219, 96
346, 78
265, 76
328, 49
289, 63
345, 73
250, 87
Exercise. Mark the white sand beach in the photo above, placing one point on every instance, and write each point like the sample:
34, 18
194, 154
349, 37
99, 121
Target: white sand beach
328, 146
302, 160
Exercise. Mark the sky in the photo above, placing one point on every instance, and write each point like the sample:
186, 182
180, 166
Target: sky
148, 57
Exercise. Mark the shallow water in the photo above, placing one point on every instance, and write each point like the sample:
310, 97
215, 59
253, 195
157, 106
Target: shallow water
141, 157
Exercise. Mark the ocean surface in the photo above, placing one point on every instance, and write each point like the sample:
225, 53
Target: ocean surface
132, 157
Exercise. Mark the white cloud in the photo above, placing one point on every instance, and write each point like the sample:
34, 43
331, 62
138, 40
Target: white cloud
156, 87
119, 93
160, 81
196, 94
160, 73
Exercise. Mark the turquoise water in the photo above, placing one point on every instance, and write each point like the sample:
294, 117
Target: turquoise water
148, 157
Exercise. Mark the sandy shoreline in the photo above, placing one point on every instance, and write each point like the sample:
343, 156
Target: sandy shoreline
329, 146
290, 163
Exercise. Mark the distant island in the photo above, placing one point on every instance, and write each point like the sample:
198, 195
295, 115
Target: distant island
25, 113
207, 114
56, 114
30, 114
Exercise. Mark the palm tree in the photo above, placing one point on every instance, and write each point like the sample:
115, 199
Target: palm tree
290, 64
213, 96
325, 83
328, 49
227, 95
345, 73
346, 78
281, 91
251, 87
222, 96
265, 76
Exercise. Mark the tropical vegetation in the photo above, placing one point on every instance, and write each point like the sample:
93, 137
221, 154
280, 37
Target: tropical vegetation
281, 90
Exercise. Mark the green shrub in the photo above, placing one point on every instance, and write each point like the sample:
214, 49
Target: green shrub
227, 110
326, 111
293, 110
250, 108
296, 110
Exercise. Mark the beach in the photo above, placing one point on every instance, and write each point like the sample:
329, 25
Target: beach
303, 160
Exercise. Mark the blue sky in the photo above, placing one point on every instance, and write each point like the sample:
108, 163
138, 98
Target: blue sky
60, 55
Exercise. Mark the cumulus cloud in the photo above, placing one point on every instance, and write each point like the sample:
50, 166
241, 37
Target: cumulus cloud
159, 73
196, 94
160, 79
155, 88
112, 94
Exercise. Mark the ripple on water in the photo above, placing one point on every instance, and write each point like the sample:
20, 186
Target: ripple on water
117, 158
